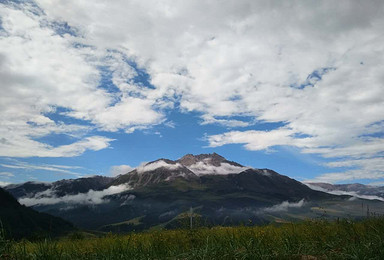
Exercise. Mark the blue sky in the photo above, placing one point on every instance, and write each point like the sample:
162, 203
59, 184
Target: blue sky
99, 88
187, 136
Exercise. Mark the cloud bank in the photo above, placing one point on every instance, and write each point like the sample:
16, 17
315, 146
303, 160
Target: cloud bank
341, 192
92, 197
147, 167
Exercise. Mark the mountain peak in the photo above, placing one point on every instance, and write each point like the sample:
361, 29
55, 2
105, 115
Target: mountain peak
190, 159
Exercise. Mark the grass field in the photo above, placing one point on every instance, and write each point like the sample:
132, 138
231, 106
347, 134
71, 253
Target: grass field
306, 240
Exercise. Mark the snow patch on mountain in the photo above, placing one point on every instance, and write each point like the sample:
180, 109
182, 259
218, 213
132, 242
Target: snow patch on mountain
205, 168
265, 172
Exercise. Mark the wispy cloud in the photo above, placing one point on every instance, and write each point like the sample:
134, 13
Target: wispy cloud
6, 174
365, 168
209, 119
120, 169
284, 206
341, 192
92, 197
15, 164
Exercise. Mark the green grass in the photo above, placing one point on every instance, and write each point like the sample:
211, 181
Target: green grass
306, 240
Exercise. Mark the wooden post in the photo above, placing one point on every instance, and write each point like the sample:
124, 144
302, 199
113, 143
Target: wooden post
362, 209
190, 217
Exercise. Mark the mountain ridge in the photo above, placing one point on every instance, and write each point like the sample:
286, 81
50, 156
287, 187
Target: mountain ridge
354, 189
159, 191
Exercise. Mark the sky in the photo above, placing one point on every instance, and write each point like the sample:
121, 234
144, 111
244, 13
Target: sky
99, 87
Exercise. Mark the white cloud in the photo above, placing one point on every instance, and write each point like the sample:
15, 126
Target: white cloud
3, 184
366, 168
147, 167
91, 197
39, 72
111, 118
377, 183
253, 140
284, 206
42, 72
6, 174
93, 143
203, 168
341, 192
371, 163
15, 164
349, 175
208, 119
314, 67
30, 148
120, 169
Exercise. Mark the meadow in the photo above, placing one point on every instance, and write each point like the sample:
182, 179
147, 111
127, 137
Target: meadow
318, 239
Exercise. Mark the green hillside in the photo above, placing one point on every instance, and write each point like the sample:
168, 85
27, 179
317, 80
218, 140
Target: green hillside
18, 221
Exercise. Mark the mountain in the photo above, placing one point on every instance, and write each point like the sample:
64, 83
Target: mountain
159, 194
153, 173
188, 167
59, 188
22, 222
214, 159
354, 189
